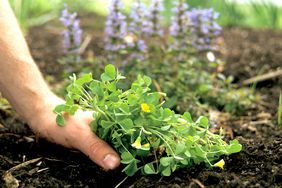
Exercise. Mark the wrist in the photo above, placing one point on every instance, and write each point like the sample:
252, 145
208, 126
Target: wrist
43, 109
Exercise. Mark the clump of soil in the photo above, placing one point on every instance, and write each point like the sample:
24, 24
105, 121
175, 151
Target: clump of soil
248, 53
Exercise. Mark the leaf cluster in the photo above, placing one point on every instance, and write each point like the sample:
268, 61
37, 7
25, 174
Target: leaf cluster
148, 136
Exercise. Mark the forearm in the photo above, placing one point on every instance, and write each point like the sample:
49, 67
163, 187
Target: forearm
23, 85
20, 80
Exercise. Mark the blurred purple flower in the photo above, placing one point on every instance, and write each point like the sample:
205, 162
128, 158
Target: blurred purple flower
204, 28
115, 30
180, 25
136, 44
141, 45
138, 14
72, 33
152, 26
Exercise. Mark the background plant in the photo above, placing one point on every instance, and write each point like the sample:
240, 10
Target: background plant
148, 137
72, 37
37, 12
174, 58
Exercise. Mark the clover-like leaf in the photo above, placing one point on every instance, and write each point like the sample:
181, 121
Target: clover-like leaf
84, 79
126, 157
96, 88
147, 80
106, 78
203, 121
60, 120
166, 171
187, 117
153, 98
167, 113
109, 74
149, 169
180, 147
131, 168
165, 128
234, 147
166, 161
126, 124
59, 108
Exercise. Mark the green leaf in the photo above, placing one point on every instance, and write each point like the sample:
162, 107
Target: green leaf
187, 117
136, 88
165, 128
147, 80
173, 167
184, 162
94, 126
73, 109
199, 152
132, 99
106, 78
112, 86
177, 157
59, 108
114, 97
84, 79
139, 121
60, 120
153, 98
203, 121
96, 88
124, 108
131, 168
170, 102
165, 161
180, 147
69, 100
117, 137
126, 158
110, 70
167, 113
96, 115
109, 74
234, 147
120, 77
187, 153
166, 171
106, 124
156, 144
149, 169
126, 124
140, 80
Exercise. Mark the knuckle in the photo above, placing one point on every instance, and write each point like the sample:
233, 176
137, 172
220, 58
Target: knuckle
95, 146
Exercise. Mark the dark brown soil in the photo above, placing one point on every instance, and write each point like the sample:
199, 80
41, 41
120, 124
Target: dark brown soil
248, 53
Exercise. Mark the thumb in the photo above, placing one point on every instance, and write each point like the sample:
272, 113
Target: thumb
99, 152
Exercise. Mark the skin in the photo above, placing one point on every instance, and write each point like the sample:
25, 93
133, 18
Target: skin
23, 85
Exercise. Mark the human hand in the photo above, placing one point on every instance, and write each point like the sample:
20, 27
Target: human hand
75, 134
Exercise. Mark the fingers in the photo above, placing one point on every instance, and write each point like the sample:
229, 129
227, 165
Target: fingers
95, 148
78, 134
100, 152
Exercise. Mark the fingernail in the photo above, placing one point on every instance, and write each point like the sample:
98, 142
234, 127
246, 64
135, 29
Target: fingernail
111, 161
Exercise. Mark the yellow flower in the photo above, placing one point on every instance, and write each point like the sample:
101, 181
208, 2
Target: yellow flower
220, 164
145, 107
146, 147
137, 143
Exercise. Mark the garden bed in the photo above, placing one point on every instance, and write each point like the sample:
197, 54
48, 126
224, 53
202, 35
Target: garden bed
247, 53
